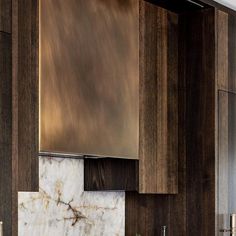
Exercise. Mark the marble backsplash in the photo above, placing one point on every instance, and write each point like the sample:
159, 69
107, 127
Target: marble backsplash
62, 208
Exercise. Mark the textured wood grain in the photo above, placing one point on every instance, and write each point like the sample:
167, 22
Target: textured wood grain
222, 50
14, 39
145, 214
27, 93
158, 139
6, 159
226, 52
226, 167
200, 122
231, 52
5, 16
226, 77
192, 210
110, 174
222, 210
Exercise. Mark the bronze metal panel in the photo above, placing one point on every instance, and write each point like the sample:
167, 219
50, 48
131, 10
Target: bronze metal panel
89, 72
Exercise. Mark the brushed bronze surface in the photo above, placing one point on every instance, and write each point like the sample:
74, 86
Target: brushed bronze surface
89, 72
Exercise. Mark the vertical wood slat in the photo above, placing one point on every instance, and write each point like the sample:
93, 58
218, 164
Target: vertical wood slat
226, 51
222, 78
27, 46
8, 159
146, 213
223, 161
226, 78
8, 175
222, 51
200, 122
191, 211
13, 119
5, 16
158, 144
231, 52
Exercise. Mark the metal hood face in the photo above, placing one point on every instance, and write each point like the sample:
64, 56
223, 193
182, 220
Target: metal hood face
89, 77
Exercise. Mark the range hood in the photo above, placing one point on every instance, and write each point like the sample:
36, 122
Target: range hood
89, 77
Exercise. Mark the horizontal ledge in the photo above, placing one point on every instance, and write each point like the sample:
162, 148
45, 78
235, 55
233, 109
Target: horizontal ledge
80, 156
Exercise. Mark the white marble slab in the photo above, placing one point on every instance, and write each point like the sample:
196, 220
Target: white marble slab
62, 208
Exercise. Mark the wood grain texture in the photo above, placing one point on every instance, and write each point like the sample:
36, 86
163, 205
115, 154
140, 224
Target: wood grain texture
222, 50
226, 78
231, 52
226, 51
110, 174
14, 39
27, 93
200, 121
158, 139
7, 195
5, 16
223, 162
192, 210
145, 214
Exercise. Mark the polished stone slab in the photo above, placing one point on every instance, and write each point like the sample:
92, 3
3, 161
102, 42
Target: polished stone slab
62, 207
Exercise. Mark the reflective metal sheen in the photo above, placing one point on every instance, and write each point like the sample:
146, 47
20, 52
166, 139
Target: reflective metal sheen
89, 72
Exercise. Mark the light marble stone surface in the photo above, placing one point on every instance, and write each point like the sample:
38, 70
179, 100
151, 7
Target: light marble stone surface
62, 208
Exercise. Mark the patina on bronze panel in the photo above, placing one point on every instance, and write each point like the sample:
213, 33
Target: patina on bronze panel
89, 77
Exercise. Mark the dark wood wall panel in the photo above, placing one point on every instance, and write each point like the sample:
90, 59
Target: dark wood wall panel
110, 174
192, 210
18, 107
145, 214
222, 50
226, 78
226, 51
231, 52
27, 93
5, 16
200, 121
158, 138
8, 175
226, 159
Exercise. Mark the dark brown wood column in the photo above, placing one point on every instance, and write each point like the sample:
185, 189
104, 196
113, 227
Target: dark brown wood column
18, 106
158, 118
192, 210
8, 162
26, 84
